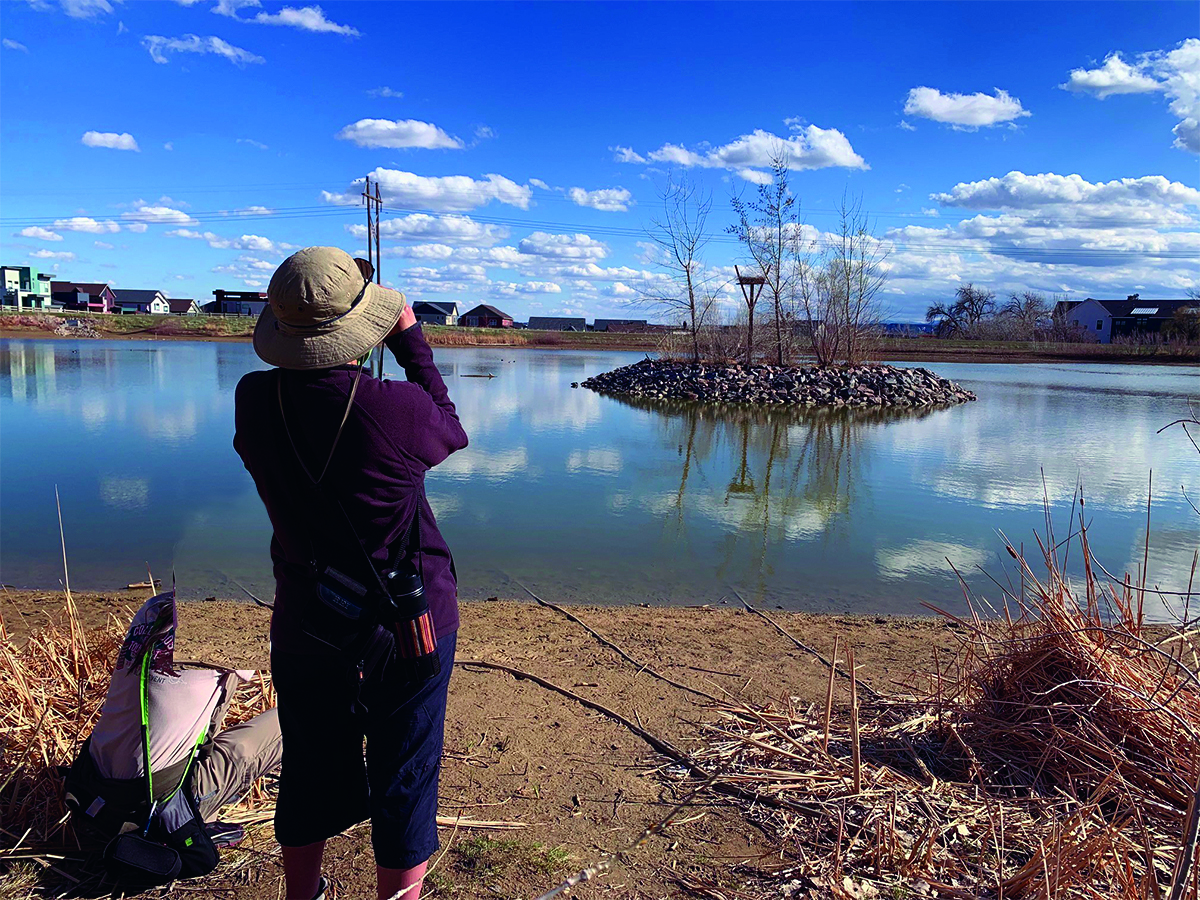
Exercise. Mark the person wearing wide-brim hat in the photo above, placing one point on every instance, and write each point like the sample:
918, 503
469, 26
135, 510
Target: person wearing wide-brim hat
339, 459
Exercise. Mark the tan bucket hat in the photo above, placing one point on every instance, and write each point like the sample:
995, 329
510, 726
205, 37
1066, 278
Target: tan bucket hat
322, 311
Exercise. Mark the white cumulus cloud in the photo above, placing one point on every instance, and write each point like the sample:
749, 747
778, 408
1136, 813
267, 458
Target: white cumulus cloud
306, 18
436, 231
52, 254
145, 214
1124, 198
76, 9
1114, 77
1174, 73
39, 233
385, 92
809, 147
449, 193
159, 48
87, 225
245, 242
110, 140
398, 134
563, 246
965, 112
605, 199
15, 45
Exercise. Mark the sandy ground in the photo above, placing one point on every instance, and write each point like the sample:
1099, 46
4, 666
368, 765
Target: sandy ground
515, 751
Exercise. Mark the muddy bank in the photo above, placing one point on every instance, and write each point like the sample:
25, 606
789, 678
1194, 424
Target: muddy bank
578, 782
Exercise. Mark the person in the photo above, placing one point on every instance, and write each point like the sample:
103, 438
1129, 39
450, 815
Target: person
339, 459
170, 715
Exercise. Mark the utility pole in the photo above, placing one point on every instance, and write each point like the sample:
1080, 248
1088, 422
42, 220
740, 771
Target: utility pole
374, 259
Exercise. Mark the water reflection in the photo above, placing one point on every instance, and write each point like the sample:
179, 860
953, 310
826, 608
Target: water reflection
769, 477
602, 499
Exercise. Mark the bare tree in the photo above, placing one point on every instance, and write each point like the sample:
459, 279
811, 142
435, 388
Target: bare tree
971, 307
770, 228
1026, 312
839, 286
678, 232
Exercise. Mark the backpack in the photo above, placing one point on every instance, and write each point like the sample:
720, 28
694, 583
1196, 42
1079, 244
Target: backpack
151, 837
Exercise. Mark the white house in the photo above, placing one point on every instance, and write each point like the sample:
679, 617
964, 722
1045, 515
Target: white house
141, 301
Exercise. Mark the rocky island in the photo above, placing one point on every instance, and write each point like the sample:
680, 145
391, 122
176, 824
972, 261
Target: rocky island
867, 386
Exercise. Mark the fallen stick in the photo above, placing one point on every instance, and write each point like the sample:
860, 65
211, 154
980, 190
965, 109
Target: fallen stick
658, 744
457, 822
642, 667
813, 651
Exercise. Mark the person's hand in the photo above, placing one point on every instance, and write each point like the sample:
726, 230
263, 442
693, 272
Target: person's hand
407, 320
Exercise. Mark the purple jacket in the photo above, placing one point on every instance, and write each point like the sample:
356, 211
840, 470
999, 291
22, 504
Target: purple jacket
397, 430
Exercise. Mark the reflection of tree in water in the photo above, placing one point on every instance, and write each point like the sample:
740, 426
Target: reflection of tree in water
792, 472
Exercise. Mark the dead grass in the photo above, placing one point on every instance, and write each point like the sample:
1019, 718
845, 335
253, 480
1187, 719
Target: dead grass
52, 687
1057, 755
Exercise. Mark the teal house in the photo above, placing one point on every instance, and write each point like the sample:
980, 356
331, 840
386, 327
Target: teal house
26, 288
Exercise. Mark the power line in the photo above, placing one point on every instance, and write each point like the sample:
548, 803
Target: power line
295, 213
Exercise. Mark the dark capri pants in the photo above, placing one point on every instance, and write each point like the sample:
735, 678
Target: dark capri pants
326, 785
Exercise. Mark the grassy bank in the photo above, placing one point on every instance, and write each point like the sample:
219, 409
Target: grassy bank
912, 349
242, 327
949, 350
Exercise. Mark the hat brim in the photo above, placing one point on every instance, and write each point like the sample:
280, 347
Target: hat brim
334, 344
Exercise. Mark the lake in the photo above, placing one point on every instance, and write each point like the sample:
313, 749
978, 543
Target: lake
595, 499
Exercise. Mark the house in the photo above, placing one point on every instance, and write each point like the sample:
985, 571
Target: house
84, 296
485, 316
181, 307
431, 313
26, 288
236, 303
129, 301
556, 323
628, 326
1103, 320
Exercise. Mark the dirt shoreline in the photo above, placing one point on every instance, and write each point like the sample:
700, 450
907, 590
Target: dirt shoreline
643, 343
516, 752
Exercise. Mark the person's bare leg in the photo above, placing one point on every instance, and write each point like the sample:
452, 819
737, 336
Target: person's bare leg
302, 870
393, 881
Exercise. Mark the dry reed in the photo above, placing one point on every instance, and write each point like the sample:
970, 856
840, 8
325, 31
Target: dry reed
52, 686
1058, 755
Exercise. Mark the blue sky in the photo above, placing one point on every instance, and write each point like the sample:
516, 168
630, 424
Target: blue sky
191, 145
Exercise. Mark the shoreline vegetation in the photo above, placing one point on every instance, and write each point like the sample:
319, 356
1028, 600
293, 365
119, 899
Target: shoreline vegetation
1044, 745
894, 348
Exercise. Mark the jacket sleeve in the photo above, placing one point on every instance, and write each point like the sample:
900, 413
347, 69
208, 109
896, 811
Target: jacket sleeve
435, 430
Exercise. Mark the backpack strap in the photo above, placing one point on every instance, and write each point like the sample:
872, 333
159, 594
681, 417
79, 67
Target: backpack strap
144, 702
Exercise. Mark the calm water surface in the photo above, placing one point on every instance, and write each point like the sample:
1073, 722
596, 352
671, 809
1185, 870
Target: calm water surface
596, 499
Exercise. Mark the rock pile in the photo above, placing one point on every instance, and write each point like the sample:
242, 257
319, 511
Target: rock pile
860, 386
75, 328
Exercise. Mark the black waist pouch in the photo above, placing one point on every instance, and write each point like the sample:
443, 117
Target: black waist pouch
137, 862
339, 611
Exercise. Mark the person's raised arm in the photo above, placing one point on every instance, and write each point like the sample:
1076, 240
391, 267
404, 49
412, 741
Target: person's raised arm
439, 432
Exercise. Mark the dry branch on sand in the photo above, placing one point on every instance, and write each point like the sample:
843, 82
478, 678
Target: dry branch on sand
1057, 756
